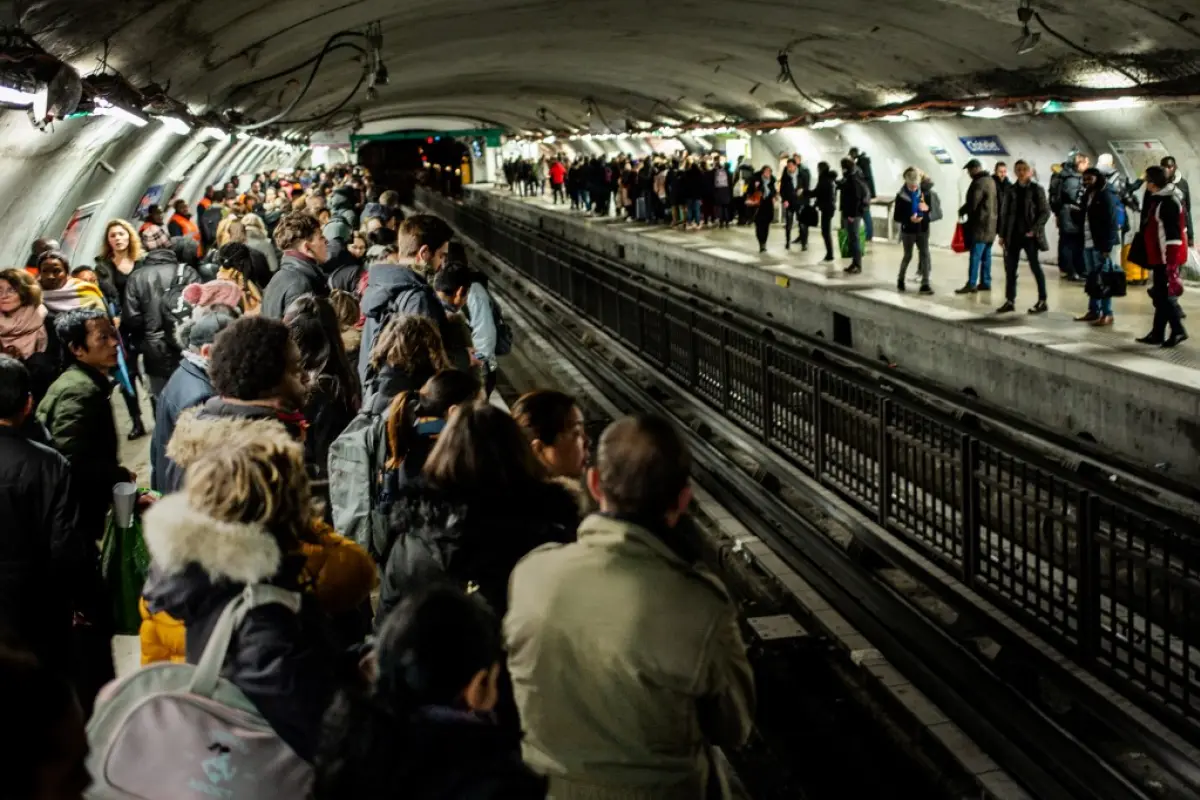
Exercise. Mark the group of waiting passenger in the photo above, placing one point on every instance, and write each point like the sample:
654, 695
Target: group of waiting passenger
618, 665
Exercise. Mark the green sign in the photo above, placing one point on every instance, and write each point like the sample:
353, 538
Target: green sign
491, 135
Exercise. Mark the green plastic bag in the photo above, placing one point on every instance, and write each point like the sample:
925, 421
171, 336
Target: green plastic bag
844, 241
124, 562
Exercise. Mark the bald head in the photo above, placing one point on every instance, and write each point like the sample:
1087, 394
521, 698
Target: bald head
642, 470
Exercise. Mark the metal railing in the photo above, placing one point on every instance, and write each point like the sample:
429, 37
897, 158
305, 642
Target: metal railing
1110, 579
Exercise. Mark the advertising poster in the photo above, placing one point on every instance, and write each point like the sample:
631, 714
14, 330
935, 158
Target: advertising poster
77, 227
152, 197
1135, 156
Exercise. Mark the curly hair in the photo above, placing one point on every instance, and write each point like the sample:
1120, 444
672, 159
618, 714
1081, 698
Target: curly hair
24, 284
296, 228
250, 358
135, 241
410, 343
257, 477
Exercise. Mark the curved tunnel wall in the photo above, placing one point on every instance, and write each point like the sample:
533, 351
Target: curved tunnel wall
45, 177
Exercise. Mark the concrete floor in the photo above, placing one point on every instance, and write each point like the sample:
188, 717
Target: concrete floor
1133, 313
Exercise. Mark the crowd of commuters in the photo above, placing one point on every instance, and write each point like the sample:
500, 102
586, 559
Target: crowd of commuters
1092, 207
453, 650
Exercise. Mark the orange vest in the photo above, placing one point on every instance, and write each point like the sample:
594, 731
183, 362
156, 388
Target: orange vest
204, 204
189, 228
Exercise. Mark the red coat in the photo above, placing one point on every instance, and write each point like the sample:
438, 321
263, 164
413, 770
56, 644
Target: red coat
558, 172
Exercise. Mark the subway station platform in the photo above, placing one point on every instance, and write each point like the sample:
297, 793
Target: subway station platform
1139, 401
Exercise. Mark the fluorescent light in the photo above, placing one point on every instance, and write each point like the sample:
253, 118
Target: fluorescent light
829, 123
107, 109
215, 133
175, 125
894, 118
986, 113
16, 97
1105, 105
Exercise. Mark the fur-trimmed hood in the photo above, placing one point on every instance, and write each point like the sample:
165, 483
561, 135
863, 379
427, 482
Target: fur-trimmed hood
199, 430
178, 535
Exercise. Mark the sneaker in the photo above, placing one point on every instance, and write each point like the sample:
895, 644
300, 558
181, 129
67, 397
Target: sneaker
926, 289
139, 431
1102, 322
1090, 316
968, 289
1039, 308
899, 286
1007, 308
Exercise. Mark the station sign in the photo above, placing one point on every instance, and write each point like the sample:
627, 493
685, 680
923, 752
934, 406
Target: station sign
941, 155
983, 145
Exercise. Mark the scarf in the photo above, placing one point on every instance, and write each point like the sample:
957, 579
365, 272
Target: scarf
73, 294
197, 359
24, 330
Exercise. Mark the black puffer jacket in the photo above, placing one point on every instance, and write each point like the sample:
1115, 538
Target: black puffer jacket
41, 551
144, 315
287, 664
440, 535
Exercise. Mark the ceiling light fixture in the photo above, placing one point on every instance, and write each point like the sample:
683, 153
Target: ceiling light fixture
1027, 40
106, 109
175, 125
828, 123
986, 113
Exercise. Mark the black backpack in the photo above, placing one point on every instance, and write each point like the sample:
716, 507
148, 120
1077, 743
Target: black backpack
175, 310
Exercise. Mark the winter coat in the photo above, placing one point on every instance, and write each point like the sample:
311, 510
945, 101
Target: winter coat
438, 535
981, 209
395, 289
854, 195
722, 195
42, 551
902, 211
327, 416
867, 173
79, 418
826, 193
144, 316
1101, 213
790, 189
286, 663
188, 387
1026, 203
627, 709
298, 275
1002, 189
1164, 230
1067, 195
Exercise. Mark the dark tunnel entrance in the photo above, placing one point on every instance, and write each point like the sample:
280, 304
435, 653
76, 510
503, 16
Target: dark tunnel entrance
433, 160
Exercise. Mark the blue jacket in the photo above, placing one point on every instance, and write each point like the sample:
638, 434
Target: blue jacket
394, 289
188, 387
483, 324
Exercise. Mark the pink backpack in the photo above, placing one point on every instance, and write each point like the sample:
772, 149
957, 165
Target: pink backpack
178, 732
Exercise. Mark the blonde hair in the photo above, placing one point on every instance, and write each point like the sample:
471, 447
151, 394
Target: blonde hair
135, 241
255, 477
912, 175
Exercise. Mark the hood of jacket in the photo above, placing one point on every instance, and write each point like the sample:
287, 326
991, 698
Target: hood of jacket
185, 250
385, 283
179, 536
342, 199
201, 429
160, 258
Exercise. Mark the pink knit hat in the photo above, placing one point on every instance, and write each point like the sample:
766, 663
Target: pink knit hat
214, 292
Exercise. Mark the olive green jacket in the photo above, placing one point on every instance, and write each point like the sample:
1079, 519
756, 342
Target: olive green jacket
627, 666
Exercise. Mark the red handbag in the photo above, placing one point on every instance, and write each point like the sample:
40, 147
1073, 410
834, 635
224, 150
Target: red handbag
959, 243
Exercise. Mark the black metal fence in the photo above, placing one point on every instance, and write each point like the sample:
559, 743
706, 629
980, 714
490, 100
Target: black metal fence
1111, 579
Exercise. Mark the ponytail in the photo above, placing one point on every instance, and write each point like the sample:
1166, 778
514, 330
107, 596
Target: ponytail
401, 426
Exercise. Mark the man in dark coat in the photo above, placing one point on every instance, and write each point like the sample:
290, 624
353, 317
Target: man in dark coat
982, 215
1023, 230
301, 270
400, 288
855, 200
862, 163
41, 553
189, 387
147, 316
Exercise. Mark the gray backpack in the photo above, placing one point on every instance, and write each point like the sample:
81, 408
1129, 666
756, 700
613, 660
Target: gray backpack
172, 731
356, 470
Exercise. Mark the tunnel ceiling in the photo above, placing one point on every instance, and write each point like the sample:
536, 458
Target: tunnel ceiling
501, 61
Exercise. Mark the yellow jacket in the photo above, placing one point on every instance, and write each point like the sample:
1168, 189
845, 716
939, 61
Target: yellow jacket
339, 573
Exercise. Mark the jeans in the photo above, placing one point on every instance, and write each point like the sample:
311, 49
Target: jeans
1012, 261
869, 224
586, 198
1094, 262
1070, 253
827, 232
924, 262
792, 214
762, 221
1166, 310
721, 212
693, 212
980, 273
558, 192
852, 228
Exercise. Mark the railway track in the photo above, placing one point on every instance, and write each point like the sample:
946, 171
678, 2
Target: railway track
1054, 753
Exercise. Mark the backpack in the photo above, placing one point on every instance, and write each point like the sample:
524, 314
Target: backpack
935, 205
357, 468
175, 310
178, 730
504, 334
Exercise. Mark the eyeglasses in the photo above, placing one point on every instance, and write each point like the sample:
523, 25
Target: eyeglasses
6, 291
